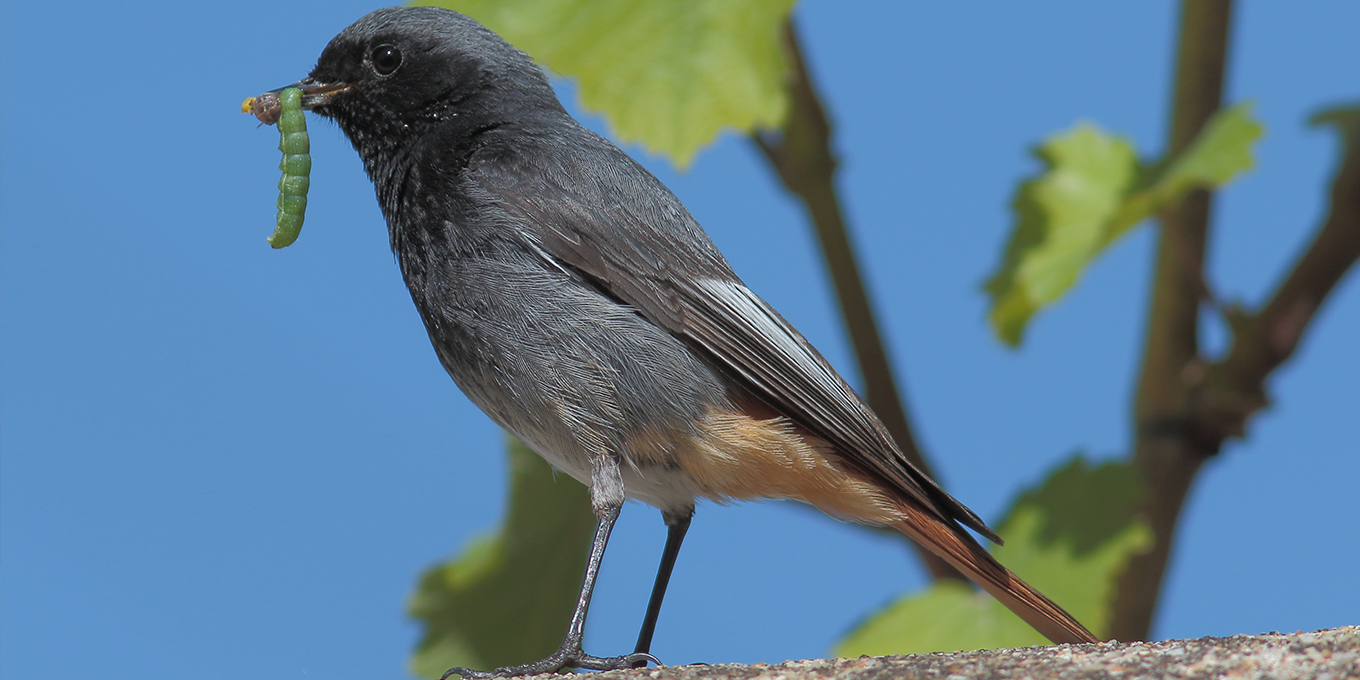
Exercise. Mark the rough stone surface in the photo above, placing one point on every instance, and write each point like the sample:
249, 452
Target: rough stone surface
1322, 655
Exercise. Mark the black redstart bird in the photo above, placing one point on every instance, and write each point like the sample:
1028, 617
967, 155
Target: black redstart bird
573, 298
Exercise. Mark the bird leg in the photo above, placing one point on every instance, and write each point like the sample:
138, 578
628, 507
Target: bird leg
570, 654
676, 527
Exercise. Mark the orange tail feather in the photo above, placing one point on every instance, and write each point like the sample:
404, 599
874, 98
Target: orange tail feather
964, 553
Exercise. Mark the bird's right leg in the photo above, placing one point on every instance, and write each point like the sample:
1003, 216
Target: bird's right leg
570, 654
606, 495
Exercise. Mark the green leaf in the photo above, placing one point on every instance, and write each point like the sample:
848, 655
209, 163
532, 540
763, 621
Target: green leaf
1086, 504
1093, 191
507, 599
1221, 151
1070, 539
1059, 223
668, 74
947, 617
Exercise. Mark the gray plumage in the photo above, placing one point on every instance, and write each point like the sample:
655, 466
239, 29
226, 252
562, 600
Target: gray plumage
565, 289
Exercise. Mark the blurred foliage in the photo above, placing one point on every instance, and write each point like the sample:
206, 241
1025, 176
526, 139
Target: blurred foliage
1093, 190
508, 597
667, 74
1069, 538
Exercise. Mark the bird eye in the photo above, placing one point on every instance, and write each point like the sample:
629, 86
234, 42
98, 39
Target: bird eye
386, 59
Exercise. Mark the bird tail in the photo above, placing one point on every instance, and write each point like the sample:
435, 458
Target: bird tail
960, 550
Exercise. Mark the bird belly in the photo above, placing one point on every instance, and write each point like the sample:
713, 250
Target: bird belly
584, 381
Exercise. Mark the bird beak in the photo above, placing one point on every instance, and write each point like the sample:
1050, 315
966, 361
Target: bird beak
315, 93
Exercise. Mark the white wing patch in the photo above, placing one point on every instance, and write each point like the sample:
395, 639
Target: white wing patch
762, 319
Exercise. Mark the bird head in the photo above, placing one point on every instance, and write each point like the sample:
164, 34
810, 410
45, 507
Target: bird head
401, 73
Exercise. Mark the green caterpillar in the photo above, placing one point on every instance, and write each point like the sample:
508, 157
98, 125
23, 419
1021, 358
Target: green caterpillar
285, 109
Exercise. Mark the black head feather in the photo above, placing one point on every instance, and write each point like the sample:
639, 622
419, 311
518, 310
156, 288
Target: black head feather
411, 72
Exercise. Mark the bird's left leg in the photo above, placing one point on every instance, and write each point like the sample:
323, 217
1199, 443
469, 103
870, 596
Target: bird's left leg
676, 525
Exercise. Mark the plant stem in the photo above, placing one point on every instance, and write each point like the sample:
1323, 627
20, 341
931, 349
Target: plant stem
1235, 386
1166, 450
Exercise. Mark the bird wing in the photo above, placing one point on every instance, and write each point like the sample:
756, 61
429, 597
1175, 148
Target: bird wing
588, 206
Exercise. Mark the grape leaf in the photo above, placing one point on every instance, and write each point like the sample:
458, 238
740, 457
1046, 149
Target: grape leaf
1092, 191
1059, 220
670, 75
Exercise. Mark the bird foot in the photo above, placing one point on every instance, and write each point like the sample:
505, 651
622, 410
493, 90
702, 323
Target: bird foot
560, 660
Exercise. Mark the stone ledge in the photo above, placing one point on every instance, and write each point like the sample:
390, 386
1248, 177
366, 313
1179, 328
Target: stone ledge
1322, 655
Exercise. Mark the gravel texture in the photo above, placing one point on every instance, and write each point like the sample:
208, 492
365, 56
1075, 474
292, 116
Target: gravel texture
1322, 655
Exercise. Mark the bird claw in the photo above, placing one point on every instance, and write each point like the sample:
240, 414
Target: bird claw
613, 663
560, 660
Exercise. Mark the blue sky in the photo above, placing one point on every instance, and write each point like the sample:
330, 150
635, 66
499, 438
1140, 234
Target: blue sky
223, 461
